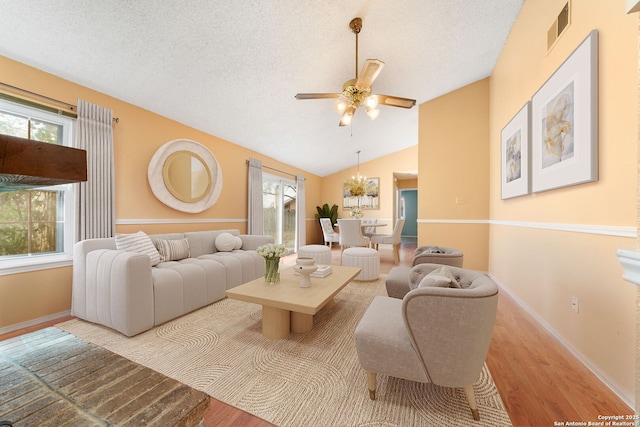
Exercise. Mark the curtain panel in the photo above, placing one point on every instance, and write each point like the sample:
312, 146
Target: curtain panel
255, 214
301, 226
95, 200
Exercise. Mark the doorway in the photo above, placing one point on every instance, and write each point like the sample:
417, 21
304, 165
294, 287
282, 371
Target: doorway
409, 211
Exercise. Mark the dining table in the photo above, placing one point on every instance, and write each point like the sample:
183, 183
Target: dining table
363, 225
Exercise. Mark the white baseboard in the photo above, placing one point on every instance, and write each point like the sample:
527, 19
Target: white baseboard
628, 399
34, 322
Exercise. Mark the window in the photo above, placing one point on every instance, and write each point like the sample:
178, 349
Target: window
36, 225
279, 203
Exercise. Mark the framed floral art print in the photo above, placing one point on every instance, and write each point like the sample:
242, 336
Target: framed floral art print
515, 155
564, 122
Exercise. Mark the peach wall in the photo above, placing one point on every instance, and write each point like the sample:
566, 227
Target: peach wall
137, 136
407, 183
37, 294
382, 168
453, 188
531, 252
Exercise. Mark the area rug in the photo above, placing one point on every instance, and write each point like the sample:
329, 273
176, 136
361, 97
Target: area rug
310, 379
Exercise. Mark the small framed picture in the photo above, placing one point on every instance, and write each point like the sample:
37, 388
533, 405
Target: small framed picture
515, 155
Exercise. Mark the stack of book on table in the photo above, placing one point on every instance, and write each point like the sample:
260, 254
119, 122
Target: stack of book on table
322, 271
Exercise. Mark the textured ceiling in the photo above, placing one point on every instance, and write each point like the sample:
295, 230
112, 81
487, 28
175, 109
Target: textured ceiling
232, 68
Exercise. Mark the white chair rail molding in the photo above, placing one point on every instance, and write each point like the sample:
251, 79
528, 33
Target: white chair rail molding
630, 261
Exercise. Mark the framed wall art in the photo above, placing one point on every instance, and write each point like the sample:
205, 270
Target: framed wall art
515, 155
361, 192
564, 122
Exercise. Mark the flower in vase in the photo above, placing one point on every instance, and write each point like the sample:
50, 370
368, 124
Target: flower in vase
356, 213
272, 250
272, 253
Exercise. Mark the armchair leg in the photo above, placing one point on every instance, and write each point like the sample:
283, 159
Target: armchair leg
396, 252
371, 380
471, 397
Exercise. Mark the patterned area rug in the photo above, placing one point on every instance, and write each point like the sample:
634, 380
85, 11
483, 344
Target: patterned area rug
311, 379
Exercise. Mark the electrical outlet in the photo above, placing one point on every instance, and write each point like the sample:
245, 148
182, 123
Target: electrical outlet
459, 201
575, 304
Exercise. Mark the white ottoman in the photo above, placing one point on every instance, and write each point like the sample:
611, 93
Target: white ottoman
365, 258
321, 253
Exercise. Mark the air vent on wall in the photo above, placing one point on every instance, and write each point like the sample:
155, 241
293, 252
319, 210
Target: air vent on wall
559, 25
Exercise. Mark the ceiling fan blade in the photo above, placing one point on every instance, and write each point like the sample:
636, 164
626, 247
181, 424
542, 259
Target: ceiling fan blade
347, 116
317, 95
394, 101
370, 71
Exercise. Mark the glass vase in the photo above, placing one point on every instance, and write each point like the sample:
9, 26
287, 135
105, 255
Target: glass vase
272, 273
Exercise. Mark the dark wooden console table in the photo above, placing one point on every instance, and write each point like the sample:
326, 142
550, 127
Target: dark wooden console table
51, 377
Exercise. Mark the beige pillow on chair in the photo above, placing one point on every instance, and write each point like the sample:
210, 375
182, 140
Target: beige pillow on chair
441, 277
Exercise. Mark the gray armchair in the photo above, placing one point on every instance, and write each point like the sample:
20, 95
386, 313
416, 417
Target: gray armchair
437, 255
433, 334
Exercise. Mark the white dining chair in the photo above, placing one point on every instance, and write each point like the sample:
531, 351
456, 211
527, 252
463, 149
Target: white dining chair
392, 239
351, 234
368, 231
330, 235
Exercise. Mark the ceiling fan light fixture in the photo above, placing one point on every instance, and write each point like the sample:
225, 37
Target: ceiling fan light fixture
346, 117
371, 101
357, 92
373, 113
340, 105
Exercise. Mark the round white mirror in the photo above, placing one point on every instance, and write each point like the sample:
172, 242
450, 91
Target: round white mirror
184, 175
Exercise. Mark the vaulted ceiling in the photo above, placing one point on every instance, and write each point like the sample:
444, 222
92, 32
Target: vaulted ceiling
232, 68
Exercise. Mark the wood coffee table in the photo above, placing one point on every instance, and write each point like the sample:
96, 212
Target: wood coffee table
287, 307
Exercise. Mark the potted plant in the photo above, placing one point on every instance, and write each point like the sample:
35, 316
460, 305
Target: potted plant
327, 212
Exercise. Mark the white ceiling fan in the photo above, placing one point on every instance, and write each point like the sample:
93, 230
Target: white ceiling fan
358, 92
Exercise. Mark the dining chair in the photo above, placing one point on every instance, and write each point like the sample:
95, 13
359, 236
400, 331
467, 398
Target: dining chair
392, 239
368, 231
330, 235
351, 234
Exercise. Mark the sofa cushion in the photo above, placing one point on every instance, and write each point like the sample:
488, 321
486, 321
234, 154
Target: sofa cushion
172, 250
138, 242
225, 242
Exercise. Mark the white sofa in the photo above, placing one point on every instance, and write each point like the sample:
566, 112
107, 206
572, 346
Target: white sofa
120, 288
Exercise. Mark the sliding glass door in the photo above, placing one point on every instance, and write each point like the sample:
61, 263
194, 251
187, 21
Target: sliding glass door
279, 201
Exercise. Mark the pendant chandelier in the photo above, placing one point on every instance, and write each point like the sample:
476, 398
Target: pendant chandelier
358, 184
358, 177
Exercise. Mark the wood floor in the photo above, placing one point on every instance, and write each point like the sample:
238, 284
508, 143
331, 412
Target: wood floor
540, 382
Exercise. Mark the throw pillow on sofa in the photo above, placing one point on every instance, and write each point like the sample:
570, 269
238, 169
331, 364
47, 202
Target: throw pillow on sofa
225, 242
138, 242
238, 244
172, 250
